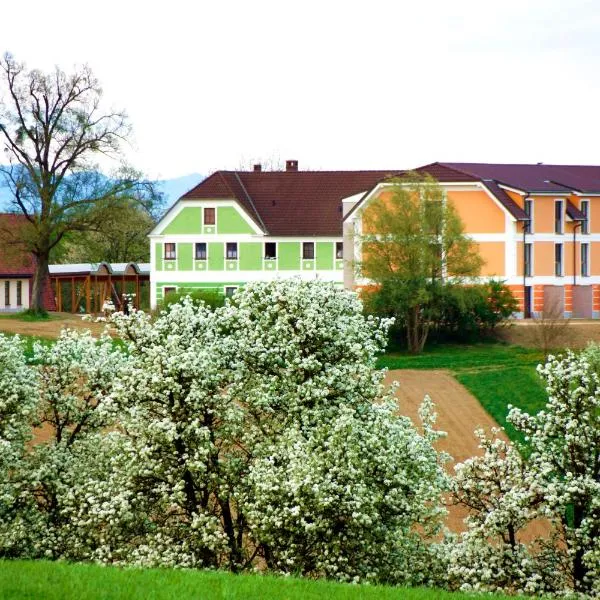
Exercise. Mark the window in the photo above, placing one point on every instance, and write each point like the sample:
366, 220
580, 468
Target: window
339, 250
558, 216
585, 260
529, 212
230, 291
308, 250
270, 250
19, 293
170, 251
558, 260
168, 290
201, 251
7, 293
232, 251
209, 216
528, 262
585, 224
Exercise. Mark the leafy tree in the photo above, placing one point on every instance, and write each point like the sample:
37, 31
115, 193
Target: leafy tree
413, 243
121, 236
53, 130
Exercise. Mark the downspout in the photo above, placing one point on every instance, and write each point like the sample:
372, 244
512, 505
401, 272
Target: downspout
524, 261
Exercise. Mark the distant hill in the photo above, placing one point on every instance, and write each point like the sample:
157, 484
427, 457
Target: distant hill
171, 188
176, 187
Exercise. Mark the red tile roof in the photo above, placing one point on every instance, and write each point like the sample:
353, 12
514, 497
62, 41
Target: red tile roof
291, 202
309, 202
15, 260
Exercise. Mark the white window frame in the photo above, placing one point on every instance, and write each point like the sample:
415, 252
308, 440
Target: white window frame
529, 201
562, 216
562, 259
335, 250
215, 223
265, 251
531, 271
587, 220
206, 252
229, 287
165, 251
237, 251
585, 245
314, 252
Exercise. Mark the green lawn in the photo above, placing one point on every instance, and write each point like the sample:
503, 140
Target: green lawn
61, 581
496, 374
29, 317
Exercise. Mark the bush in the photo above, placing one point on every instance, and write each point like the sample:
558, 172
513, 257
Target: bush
453, 312
473, 313
211, 298
189, 448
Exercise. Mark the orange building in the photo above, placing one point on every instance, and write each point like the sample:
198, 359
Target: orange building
537, 228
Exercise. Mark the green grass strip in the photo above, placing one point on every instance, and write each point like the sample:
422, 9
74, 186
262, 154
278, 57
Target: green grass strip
21, 580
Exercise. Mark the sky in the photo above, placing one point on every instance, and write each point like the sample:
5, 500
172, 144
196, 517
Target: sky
334, 85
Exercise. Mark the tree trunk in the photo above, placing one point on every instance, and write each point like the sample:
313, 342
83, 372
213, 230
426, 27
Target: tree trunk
40, 276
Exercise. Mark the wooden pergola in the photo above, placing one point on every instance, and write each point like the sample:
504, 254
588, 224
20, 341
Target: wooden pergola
84, 288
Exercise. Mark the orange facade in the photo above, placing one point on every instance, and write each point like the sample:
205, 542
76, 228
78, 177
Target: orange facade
553, 272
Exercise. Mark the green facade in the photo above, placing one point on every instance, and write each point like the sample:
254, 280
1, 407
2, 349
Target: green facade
229, 220
289, 256
189, 220
216, 256
250, 256
324, 256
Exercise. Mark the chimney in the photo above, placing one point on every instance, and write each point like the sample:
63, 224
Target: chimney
291, 165
257, 168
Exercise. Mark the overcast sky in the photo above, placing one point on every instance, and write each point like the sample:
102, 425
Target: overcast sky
336, 85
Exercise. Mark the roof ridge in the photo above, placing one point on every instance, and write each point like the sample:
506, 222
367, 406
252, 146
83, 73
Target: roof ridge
249, 198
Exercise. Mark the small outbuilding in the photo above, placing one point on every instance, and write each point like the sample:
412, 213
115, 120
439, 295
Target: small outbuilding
85, 287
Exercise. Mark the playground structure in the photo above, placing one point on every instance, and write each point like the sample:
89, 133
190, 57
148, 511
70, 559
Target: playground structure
85, 287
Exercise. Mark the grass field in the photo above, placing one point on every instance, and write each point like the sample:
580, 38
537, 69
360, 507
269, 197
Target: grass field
31, 580
496, 374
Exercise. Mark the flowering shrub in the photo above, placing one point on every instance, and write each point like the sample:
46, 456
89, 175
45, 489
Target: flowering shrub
212, 396
558, 482
219, 437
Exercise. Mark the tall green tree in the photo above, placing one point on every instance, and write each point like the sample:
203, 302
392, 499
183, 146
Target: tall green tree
122, 236
53, 131
413, 244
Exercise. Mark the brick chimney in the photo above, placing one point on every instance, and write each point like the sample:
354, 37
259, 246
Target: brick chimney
257, 168
291, 165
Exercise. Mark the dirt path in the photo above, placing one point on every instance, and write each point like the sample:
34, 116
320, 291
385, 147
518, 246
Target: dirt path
459, 414
50, 328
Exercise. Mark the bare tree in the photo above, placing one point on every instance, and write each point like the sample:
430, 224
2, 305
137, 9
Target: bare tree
550, 328
53, 130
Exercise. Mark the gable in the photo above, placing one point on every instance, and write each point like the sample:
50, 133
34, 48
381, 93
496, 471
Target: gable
186, 218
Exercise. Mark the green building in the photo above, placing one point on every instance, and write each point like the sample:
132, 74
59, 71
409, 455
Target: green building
240, 226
